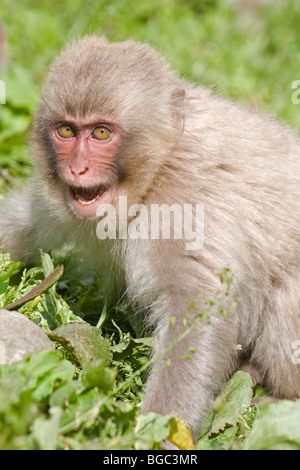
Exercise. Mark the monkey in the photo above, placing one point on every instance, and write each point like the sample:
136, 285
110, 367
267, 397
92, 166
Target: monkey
116, 123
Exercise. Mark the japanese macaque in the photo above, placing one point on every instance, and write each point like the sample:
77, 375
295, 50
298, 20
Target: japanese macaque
116, 124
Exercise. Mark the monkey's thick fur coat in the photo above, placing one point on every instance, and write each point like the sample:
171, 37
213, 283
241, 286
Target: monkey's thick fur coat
181, 144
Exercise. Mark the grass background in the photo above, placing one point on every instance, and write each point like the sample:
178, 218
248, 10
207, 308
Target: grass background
248, 50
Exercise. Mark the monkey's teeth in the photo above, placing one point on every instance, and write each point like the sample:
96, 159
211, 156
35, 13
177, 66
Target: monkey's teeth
86, 196
84, 201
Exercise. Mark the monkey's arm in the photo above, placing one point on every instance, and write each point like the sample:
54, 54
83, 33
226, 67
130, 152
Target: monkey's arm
21, 225
186, 378
195, 345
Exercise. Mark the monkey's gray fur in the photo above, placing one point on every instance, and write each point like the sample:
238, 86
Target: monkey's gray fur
182, 144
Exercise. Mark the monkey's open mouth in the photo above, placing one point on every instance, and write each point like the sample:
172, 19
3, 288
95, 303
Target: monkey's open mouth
85, 201
88, 195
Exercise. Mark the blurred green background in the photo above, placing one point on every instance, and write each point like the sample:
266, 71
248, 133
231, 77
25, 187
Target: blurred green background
248, 50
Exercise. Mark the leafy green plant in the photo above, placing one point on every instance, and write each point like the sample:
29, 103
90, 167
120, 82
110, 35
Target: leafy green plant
86, 394
88, 397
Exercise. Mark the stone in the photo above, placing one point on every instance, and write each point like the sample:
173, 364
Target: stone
20, 337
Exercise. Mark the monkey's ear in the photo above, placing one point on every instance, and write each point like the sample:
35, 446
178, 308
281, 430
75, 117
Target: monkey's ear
177, 101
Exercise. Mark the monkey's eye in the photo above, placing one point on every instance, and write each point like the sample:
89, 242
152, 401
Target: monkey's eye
101, 133
66, 132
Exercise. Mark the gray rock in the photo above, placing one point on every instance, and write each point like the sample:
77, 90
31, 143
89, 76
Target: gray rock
20, 337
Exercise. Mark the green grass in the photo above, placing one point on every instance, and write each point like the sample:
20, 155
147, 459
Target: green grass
251, 57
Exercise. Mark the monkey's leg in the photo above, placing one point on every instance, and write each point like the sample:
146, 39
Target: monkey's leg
186, 378
275, 352
253, 371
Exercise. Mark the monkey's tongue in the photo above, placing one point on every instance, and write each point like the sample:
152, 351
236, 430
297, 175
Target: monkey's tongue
88, 196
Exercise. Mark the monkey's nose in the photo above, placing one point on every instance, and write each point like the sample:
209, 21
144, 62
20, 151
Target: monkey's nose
78, 171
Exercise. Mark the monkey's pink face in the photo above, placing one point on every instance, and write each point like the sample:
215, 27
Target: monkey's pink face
86, 162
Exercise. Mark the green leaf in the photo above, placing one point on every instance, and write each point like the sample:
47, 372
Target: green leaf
180, 434
278, 427
97, 375
48, 282
46, 431
129, 346
85, 410
24, 387
83, 341
56, 310
233, 402
65, 394
151, 429
47, 370
8, 267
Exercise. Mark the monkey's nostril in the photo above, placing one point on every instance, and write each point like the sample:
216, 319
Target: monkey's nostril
83, 171
78, 171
